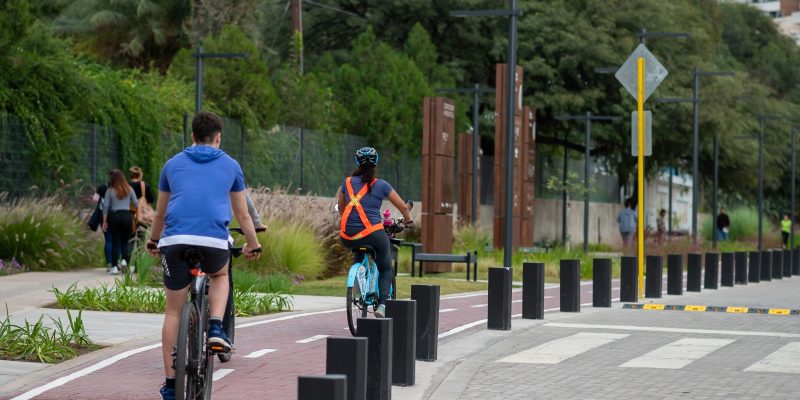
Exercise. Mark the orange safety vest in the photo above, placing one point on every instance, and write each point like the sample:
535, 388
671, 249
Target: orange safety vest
355, 202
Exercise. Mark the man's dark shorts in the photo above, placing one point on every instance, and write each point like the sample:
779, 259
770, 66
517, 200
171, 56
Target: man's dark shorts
176, 269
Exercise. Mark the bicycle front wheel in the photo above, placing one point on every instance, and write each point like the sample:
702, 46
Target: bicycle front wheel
355, 310
186, 345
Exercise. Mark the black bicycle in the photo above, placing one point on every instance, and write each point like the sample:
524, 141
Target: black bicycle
229, 320
192, 358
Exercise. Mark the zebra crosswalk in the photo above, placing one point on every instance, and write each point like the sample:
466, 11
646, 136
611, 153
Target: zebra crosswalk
673, 355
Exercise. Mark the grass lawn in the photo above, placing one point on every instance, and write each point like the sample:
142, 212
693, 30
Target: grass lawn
336, 286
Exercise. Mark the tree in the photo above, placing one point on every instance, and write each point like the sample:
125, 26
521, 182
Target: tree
237, 88
380, 91
133, 33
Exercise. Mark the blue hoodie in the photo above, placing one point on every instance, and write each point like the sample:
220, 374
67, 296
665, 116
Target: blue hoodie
199, 180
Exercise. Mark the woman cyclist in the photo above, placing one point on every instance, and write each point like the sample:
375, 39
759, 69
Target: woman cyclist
360, 199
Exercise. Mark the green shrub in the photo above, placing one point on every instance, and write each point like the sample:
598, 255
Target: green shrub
471, 238
290, 246
41, 235
37, 342
245, 279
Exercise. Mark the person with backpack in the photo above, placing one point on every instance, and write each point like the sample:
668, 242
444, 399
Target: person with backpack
627, 223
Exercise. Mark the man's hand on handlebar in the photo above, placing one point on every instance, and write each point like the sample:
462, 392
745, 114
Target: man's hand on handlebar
152, 247
252, 252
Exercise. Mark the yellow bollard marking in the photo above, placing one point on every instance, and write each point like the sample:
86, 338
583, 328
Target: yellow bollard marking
780, 311
738, 310
640, 163
654, 306
694, 308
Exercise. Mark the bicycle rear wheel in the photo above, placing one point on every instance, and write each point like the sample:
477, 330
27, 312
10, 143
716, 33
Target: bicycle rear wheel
183, 357
208, 376
354, 311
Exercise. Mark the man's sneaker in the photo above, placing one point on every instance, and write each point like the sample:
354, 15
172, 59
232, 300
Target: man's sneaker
218, 341
380, 311
114, 271
167, 394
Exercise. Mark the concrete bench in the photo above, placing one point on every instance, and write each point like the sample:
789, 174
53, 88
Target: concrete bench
471, 259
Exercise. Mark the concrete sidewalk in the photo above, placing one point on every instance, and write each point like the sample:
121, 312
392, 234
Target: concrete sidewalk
619, 353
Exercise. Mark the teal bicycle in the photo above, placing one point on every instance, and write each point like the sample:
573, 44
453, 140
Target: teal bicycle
362, 279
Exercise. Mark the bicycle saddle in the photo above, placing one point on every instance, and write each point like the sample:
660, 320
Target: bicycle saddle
193, 256
365, 249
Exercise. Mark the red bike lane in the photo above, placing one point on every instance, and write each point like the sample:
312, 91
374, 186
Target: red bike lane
270, 354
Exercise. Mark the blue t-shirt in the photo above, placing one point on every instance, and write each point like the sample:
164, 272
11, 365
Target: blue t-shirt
199, 180
371, 202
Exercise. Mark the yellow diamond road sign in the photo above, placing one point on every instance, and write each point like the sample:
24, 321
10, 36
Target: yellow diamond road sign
654, 72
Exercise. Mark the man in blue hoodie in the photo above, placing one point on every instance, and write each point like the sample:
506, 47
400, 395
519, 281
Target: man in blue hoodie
196, 191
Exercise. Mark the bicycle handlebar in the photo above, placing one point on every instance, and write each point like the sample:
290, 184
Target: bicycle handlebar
241, 232
238, 251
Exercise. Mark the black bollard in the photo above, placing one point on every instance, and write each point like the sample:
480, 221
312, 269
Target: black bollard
754, 267
404, 341
629, 280
570, 290
533, 290
675, 274
348, 356
712, 271
787, 263
740, 269
499, 310
427, 297
694, 272
379, 356
777, 264
326, 387
796, 261
727, 269
654, 277
766, 265
601, 282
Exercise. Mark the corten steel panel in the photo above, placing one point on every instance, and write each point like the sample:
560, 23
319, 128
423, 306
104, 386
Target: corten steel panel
465, 177
498, 232
526, 233
427, 183
437, 238
445, 139
426, 125
528, 199
500, 142
500, 89
443, 176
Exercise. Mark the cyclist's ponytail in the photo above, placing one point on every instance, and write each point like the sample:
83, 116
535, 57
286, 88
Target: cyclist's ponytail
367, 173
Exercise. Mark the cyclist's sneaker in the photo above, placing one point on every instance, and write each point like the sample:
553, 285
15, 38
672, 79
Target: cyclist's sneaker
380, 311
167, 393
218, 341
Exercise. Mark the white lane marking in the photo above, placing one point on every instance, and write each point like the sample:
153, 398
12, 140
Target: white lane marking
464, 296
673, 330
555, 351
261, 353
480, 305
83, 372
221, 373
549, 297
288, 317
312, 339
678, 354
517, 301
447, 310
786, 360
461, 328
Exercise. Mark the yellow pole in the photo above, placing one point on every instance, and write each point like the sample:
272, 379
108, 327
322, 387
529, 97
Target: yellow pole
640, 181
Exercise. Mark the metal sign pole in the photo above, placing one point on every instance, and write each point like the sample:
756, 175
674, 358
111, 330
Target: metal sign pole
640, 167
476, 142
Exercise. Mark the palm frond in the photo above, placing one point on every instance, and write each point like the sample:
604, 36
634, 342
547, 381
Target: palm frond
108, 18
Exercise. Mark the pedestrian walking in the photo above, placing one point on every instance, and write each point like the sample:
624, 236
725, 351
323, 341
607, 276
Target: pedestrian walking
118, 219
627, 222
661, 228
723, 225
786, 230
100, 193
146, 199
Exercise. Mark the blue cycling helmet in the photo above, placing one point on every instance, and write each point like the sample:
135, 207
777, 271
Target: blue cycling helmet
366, 155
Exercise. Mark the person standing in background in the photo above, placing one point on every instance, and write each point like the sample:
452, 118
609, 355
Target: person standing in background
786, 231
627, 223
723, 225
144, 194
661, 229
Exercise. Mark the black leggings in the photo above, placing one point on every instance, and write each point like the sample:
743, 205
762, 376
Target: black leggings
119, 224
383, 258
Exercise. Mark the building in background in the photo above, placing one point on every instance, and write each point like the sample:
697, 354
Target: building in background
785, 13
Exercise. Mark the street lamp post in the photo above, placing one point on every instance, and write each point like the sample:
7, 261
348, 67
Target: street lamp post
198, 76
587, 119
794, 183
476, 90
511, 81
